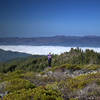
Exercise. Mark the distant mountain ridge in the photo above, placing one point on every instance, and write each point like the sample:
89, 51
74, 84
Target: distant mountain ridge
79, 41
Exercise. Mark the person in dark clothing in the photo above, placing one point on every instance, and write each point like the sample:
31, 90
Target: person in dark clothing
49, 59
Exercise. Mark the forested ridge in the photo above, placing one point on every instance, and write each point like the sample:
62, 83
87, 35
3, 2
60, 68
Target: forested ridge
10, 55
38, 63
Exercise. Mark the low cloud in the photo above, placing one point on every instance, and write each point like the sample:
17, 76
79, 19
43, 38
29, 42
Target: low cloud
42, 50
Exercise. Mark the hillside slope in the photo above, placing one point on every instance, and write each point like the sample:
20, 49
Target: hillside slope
39, 63
9, 55
65, 82
74, 75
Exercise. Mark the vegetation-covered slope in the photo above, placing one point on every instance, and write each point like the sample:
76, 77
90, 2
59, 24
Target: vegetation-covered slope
9, 55
74, 75
33, 63
58, 83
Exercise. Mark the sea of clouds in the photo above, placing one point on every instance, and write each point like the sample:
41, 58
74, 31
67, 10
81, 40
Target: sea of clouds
42, 50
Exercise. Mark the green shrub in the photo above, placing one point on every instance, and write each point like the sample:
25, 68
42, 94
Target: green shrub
39, 93
73, 99
17, 84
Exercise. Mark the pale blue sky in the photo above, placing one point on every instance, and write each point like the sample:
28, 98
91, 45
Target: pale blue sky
33, 18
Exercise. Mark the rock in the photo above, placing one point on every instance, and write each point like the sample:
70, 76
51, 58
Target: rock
2, 89
38, 75
2, 86
3, 94
49, 73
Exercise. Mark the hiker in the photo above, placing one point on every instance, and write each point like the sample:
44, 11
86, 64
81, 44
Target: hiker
49, 60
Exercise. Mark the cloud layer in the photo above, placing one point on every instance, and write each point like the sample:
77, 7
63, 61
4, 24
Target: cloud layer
42, 50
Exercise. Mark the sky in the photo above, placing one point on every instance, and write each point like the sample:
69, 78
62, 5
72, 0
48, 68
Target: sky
36, 18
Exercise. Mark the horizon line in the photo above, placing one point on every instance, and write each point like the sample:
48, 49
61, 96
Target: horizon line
53, 36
